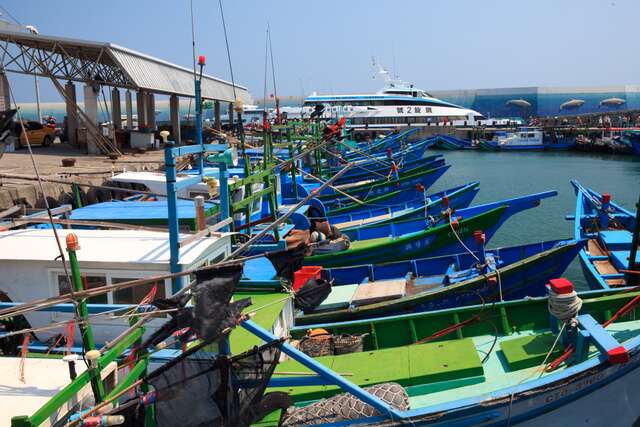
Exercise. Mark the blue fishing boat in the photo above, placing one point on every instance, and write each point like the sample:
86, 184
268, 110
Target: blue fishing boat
388, 289
412, 151
495, 364
448, 142
407, 187
609, 230
418, 238
384, 169
456, 198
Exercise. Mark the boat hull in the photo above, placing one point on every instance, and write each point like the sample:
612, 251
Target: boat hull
525, 278
458, 199
433, 241
365, 192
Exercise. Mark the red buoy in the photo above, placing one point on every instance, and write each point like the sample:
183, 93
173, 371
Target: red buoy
606, 198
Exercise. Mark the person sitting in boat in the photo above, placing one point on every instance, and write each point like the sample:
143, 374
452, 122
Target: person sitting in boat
328, 237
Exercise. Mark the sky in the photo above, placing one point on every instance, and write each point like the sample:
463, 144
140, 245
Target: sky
326, 46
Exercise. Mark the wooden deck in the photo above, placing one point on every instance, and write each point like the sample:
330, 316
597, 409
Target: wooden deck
604, 267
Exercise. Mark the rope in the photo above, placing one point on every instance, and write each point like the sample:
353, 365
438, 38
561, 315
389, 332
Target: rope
455, 233
540, 368
564, 306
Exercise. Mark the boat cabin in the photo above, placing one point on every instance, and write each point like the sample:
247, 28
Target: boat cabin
31, 269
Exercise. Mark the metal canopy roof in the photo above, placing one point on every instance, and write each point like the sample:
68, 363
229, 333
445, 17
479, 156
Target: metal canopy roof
107, 64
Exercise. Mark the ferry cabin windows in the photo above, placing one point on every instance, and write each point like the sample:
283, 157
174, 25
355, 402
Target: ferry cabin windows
400, 120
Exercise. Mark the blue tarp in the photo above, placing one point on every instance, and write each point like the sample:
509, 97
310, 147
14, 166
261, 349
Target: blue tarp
120, 211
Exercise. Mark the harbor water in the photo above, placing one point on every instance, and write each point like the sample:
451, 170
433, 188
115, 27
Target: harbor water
505, 175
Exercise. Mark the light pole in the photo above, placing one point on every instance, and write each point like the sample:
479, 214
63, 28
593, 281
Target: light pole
33, 30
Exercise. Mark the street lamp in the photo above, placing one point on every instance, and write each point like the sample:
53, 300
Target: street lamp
33, 30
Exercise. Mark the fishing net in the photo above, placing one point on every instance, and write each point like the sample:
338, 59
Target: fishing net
212, 314
200, 388
312, 294
345, 407
286, 263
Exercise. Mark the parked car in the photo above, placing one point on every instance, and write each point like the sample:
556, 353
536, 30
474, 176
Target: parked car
38, 134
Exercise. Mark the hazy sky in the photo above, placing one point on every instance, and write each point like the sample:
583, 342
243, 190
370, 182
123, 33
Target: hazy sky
327, 45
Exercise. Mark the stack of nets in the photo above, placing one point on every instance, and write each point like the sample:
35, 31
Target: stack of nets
345, 407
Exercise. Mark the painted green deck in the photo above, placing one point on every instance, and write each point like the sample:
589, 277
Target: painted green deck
528, 351
241, 339
498, 374
409, 366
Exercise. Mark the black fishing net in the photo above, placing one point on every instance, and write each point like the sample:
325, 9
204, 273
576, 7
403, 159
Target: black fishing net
312, 294
213, 292
287, 262
201, 388
212, 314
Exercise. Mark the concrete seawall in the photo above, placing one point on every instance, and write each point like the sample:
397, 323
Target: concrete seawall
93, 170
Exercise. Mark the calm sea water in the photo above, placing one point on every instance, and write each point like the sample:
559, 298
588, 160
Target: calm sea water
506, 175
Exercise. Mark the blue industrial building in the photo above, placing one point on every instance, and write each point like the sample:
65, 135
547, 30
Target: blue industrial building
545, 101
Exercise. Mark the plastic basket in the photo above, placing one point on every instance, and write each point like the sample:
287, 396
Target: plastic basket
317, 346
346, 343
303, 275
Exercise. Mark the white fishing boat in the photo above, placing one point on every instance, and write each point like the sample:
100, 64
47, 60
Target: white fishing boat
31, 270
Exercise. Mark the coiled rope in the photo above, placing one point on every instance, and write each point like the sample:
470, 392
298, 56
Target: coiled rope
564, 306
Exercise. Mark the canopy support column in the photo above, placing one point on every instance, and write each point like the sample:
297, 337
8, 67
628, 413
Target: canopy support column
128, 105
116, 112
91, 112
140, 104
216, 113
72, 118
174, 109
150, 110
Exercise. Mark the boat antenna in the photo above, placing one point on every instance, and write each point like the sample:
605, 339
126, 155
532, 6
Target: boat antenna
266, 62
273, 74
193, 53
226, 40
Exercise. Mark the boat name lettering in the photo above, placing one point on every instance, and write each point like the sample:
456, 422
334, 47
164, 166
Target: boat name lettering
574, 388
413, 109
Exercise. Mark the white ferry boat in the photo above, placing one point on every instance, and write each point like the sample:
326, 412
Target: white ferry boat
397, 104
